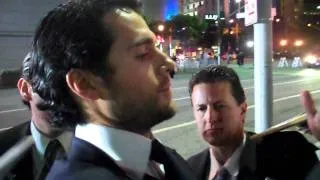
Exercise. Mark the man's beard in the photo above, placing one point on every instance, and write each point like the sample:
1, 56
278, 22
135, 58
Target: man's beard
139, 116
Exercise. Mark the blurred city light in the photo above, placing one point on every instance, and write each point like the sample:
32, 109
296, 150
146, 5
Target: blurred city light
231, 21
283, 42
237, 1
278, 20
318, 7
160, 27
309, 24
249, 44
310, 59
298, 43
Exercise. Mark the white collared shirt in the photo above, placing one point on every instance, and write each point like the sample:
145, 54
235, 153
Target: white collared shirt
232, 164
129, 150
41, 142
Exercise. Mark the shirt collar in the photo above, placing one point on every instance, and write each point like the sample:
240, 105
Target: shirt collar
232, 164
41, 141
129, 150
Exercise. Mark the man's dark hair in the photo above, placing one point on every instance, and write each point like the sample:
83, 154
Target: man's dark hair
214, 74
72, 36
25, 72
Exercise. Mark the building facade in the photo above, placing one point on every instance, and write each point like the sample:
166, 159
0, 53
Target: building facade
18, 20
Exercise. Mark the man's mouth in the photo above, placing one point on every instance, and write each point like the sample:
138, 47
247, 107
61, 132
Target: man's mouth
213, 130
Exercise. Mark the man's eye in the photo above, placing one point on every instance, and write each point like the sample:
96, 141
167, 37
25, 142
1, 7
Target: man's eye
142, 56
219, 106
201, 108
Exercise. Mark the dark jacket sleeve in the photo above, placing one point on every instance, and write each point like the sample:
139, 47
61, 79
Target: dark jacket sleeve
286, 155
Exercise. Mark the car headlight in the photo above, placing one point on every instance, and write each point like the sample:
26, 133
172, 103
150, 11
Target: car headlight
310, 59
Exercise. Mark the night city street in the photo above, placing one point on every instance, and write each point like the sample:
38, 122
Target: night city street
180, 131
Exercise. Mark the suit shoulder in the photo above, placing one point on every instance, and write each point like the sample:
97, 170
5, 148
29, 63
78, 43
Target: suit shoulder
75, 170
289, 139
12, 135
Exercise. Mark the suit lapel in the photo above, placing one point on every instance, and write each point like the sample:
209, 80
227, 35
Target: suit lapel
248, 161
200, 164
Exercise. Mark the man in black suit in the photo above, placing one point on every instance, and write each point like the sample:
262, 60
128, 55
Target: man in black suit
31, 165
313, 124
98, 64
219, 107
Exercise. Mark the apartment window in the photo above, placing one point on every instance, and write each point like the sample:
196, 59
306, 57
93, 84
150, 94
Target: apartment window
201, 2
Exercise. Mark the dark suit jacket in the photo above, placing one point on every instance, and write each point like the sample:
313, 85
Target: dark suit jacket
315, 173
8, 138
280, 156
86, 161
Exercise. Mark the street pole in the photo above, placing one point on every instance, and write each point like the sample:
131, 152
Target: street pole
263, 67
219, 31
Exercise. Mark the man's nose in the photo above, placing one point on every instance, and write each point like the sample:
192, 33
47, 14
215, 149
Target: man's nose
167, 65
210, 115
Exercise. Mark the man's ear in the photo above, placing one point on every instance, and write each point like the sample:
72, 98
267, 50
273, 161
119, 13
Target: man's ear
23, 88
82, 84
244, 108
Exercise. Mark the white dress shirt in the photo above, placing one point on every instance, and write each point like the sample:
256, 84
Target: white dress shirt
41, 142
232, 164
129, 150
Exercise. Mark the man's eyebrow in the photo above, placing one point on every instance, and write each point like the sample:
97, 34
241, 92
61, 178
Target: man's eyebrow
140, 42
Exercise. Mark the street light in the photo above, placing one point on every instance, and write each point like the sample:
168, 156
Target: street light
318, 7
278, 20
283, 42
298, 43
160, 27
250, 44
309, 24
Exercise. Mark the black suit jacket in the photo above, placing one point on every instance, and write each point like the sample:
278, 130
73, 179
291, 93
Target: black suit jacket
8, 138
315, 173
281, 156
86, 161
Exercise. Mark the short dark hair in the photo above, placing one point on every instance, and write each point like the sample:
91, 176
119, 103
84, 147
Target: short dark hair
25, 72
72, 36
214, 74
